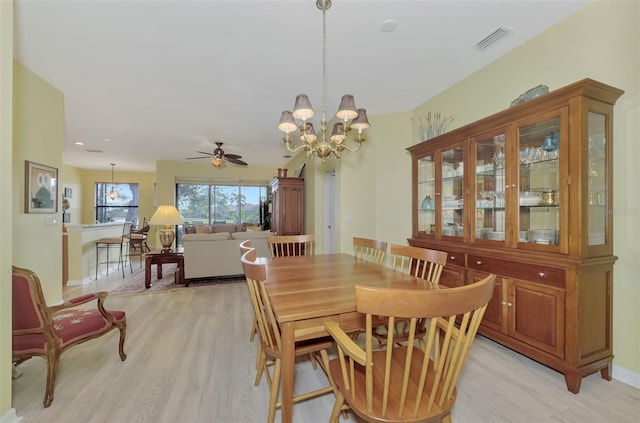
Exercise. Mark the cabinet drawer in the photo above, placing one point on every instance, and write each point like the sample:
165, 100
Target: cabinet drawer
455, 259
551, 276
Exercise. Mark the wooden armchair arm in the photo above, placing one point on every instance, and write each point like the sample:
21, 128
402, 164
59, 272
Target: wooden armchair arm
346, 343
80, 300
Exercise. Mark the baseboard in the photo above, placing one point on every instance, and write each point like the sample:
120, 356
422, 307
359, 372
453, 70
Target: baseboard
10, 417
625, 376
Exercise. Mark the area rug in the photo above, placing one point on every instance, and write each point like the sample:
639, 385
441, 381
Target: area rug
136, 284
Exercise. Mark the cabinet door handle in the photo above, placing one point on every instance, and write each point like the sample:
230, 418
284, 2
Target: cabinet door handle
504, 302
452, 257
509, 304
478, 262
541, 274
513, 185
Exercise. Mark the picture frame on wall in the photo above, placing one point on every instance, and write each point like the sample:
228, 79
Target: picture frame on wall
41, 188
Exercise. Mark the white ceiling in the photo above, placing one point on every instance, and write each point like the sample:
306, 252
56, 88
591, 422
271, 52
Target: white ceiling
163, 79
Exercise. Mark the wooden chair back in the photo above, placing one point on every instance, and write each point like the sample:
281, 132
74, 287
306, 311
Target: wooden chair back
291, 245
245, 246
408, 383
420, 262
268, 328
370, 249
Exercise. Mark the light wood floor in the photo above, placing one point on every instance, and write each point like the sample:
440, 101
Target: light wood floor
189, 360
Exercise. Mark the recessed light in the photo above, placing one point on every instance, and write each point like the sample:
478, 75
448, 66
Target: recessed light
78, 143
106, 139
388, 25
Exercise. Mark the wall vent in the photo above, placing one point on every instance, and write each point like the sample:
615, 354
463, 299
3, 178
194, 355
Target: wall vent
94, 151
494, 37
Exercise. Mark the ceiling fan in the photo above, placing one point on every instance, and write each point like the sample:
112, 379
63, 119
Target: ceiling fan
218, 157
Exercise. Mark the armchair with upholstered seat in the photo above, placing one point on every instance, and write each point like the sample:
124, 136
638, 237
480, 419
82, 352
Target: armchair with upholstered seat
408, 383
39, 330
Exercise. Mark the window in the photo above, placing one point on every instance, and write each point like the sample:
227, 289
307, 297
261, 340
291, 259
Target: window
124, 205
210, 204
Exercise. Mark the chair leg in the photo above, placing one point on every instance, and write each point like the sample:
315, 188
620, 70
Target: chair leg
123, 333
254, 329
275, 391
53, 358
337, 407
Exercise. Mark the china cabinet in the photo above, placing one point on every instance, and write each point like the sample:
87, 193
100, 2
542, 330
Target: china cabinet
526, 194
288, 206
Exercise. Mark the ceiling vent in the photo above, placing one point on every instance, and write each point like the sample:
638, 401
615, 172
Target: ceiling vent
94, 151
493, 38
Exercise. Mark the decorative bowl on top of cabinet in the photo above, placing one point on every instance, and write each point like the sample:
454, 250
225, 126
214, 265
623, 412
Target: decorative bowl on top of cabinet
526, 194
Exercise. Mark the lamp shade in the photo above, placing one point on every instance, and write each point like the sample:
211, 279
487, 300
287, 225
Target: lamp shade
360, 122
302, 109
287, 124
166, 215
347, 109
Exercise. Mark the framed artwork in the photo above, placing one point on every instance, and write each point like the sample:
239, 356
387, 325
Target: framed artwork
299, 173
41, 188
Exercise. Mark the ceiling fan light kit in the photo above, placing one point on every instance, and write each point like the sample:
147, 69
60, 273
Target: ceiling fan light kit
350, 117
219, 157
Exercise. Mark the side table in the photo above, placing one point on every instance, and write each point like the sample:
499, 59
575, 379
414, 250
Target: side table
159, 258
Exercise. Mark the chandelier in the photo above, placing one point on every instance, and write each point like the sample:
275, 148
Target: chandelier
297, 122
112, 194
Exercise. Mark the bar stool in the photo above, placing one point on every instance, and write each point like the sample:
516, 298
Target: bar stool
112, 242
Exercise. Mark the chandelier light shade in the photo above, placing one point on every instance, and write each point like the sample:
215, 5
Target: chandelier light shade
323, 144
167, 217
112, 194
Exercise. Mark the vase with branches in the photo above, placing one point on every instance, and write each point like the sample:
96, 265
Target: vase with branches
432, 124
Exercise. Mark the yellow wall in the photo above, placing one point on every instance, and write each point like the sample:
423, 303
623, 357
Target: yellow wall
6, 197
38, 119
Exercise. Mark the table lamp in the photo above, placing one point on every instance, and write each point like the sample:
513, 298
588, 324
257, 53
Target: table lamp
167, 217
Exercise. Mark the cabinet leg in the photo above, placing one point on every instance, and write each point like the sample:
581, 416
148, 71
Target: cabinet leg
573, 381
605, 372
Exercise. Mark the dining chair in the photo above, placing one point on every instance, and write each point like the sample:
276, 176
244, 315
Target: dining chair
407, 383
271, 342
47, 332
109, 243
245, 246
369, 249
291, 245
138, 237
422, 263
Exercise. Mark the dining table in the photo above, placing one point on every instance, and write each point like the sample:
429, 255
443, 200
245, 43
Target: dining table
307, 291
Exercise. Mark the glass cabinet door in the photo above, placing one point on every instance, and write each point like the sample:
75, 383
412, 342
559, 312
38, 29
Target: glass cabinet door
452, 192
597, 182
489, 163
539, 181
427, 196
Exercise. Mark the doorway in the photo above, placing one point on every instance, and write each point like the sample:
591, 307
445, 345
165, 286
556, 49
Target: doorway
329, 212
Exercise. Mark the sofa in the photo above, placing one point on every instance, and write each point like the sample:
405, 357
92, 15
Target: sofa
214, 254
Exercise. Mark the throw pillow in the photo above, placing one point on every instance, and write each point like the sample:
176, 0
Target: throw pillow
203, 229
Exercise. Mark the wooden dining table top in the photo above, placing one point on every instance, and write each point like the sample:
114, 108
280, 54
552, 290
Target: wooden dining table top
306, 287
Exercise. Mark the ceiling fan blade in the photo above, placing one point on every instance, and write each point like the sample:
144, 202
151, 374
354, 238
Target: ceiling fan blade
235, 161
233, 156
194, 158
204, 152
